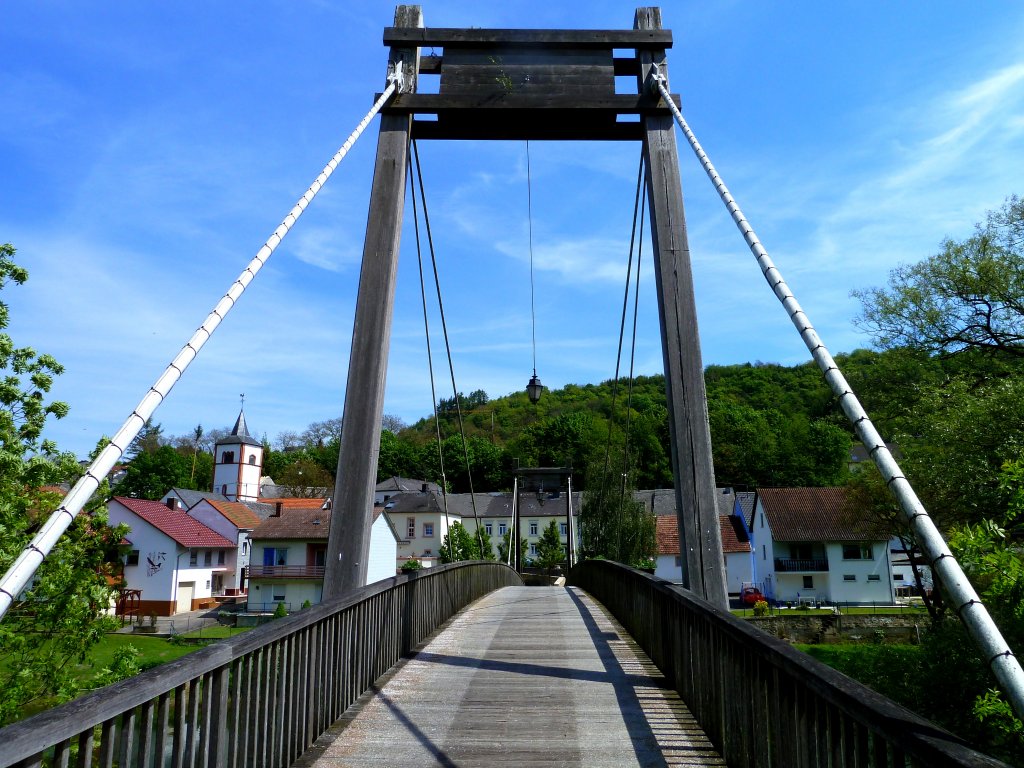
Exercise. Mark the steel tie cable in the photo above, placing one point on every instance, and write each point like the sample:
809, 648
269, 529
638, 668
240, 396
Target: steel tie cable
21, 571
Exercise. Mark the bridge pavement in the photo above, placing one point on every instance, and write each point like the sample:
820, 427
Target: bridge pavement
526, 676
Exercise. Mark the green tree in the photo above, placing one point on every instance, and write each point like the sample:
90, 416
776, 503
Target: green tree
504, 555
615, 526
550, 552
459, 544
152, 473
52, 625
970, 295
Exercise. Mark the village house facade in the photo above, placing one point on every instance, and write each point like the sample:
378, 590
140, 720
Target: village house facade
289, 551
811, 547
174, 560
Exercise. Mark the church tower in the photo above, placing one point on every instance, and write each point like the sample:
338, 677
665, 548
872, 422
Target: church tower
238, 464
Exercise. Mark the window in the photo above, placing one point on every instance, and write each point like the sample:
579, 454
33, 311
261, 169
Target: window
800, 551
857, 552
228, 457
428, 552
533, 528
252, 459
502, 529
193, 558
762, 519
279, 594
488, 529
808, 582
897, 577
563, 528
207, 583
428, 530
874, 577
849, 577
410, 527
533, 550
273, 556
220, 557
208, 557
764, 552
133, 557
679, 561
245, 547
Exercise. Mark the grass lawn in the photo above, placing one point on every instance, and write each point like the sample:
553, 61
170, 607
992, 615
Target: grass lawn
218, 632
845, 610
152, 652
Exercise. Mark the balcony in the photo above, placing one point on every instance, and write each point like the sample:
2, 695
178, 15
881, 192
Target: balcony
286, 571
794, 565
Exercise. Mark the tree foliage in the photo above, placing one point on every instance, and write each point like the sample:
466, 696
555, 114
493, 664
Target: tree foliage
459, 544
615, 526
53, 624
550, 552
970, 295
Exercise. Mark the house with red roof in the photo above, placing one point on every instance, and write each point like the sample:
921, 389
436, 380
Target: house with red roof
175, 559
736, 544
811, 545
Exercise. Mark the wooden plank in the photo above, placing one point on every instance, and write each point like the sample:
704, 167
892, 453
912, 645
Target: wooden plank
435, 103
529, 676
548, 38
699, 534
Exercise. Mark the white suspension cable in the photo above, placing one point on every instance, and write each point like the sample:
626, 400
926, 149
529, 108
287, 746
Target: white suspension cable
22, 570
975, 617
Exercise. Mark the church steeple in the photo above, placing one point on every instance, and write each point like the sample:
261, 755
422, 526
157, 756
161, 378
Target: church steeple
238, 463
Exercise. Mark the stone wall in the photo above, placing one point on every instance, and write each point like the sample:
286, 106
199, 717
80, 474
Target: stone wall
835, 628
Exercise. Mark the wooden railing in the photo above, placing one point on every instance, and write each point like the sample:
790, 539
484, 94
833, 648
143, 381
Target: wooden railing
260, 698
760, 701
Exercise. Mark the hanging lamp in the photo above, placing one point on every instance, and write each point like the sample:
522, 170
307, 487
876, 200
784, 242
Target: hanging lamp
534, 388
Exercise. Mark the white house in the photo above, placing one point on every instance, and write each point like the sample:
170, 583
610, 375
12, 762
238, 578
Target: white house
175, 560
810, 546
289, 552
421, 522
536, 511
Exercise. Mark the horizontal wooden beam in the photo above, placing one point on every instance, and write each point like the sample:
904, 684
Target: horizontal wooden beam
517, 126
442, 104
547, 38
433, 65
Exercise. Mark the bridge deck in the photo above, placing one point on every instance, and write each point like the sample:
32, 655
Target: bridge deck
527, 676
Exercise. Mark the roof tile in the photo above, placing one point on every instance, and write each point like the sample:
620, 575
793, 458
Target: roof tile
185, 530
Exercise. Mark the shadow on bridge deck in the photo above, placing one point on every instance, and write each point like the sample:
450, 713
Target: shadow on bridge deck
526, 676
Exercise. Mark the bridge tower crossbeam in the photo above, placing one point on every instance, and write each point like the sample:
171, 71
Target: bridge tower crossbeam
528, 84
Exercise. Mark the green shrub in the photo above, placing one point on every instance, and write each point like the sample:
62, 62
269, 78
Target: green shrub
411, 565
280, 612
761, 608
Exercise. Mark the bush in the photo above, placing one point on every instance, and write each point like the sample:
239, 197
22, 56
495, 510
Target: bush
280, 612
411, 565
761, 608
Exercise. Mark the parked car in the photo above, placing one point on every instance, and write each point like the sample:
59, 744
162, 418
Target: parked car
751, 595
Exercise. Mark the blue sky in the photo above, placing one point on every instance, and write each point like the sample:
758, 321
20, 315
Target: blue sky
148, 150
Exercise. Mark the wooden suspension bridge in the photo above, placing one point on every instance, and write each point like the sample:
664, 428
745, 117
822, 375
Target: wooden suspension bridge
461, 665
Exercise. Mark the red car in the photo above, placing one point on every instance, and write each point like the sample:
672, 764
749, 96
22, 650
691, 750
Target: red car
750, 595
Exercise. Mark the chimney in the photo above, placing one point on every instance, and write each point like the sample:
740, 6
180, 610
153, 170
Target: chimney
172, 503
424, 488
278, 506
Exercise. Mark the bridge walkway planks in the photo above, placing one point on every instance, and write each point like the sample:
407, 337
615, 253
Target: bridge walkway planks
526, 676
